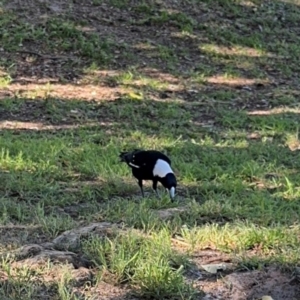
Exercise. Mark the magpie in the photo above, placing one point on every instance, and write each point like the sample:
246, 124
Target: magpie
151, 165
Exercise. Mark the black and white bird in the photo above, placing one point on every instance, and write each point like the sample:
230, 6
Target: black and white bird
151, 165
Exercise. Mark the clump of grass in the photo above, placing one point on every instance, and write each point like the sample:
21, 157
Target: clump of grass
179, 19
19, 283
146, 262
64, 286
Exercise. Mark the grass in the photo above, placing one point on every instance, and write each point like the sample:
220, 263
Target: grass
219, 98
145, 262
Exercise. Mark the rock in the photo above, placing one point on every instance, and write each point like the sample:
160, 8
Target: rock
28, 251
70, 240
55, 256
214, 268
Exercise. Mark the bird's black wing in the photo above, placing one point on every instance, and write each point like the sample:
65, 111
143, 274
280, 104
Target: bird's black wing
159, 155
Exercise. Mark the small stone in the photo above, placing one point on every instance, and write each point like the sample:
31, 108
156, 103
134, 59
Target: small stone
266, 298
214, 268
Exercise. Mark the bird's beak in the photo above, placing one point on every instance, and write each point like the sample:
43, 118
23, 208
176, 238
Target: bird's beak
172, 192
122, 156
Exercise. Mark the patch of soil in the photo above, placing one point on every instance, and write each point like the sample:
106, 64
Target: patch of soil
138, 41
229, 283
14, 236
252, 285
106, 291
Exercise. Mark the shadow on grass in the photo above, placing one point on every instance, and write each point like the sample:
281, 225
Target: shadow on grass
199, 44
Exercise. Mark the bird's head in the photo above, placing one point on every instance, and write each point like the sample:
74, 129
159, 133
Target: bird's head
170, 184
129, 157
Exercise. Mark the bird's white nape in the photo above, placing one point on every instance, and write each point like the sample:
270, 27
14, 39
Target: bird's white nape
172, 192
133, 165
161, 168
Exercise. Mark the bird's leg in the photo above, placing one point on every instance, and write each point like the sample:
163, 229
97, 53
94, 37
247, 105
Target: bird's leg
154, 186
140, 183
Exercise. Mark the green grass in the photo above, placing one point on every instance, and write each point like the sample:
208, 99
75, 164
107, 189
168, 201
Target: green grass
194, 89
148, 263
